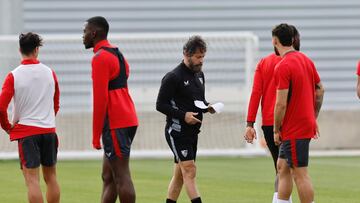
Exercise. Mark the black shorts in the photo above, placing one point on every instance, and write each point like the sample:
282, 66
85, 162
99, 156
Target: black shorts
295, 152
183, 146
38, 149
117, 142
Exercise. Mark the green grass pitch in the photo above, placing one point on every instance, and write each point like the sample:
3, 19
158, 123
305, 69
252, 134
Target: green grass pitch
220, 180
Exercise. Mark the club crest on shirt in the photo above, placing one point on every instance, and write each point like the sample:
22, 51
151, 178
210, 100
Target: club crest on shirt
201, 81
186, 83
184, 152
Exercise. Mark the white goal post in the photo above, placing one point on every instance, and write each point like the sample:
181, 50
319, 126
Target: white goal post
228, 67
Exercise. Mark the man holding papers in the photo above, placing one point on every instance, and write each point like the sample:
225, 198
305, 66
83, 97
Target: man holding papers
182, 99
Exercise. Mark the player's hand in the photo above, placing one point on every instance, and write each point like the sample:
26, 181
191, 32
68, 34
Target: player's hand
211, 110
250, 134
317, 135
191, 119
12, 126
277, 138
97, 145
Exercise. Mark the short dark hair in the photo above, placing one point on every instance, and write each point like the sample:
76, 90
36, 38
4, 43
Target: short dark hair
28, 42
194, 43
100, 23
284, 33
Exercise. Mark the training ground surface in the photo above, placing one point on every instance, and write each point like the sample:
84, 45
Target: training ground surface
220, 180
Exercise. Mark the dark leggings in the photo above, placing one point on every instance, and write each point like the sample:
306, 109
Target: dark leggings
269, 137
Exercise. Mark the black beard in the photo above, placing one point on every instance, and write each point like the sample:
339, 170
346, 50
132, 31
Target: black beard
196, 68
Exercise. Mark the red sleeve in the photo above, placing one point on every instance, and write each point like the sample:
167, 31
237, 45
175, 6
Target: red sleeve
57, 94
282, 77
256, 94
5, 97
358, 69
100, 77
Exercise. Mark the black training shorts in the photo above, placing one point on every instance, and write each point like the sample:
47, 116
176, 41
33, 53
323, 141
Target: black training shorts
183, 146
38, 149
295, 152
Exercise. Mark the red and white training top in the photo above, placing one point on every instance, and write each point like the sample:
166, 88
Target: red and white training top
35, 91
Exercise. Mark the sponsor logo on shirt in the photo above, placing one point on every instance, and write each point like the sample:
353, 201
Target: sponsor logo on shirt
186, 83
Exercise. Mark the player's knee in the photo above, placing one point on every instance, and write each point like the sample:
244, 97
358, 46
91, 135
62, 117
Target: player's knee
50, 179
32, 181
107, 178
189, 171
281, 167
298, 176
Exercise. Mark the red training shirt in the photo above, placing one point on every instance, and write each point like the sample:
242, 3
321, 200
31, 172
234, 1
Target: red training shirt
264, 89
297, 73
358, 69
116, 104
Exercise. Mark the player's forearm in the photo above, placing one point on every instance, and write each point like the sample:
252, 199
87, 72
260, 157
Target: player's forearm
255, 98
319, 95
168, 110
4, 121
279, 114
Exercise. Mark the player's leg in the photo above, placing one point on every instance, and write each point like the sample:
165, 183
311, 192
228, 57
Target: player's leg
109, 193
274, 150
188, 169
30, 163
187, 154
32, 182
52, 186
119, 163
48, 152
122, 180
285, 179
176, 184
299, 171
184, 148
303, 184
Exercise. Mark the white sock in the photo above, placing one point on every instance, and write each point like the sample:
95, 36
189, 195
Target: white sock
274, 197
282, 201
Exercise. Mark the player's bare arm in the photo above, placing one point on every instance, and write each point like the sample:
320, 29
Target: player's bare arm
319, 95
279, 112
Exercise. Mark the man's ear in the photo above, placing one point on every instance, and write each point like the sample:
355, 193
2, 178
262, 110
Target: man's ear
275, 41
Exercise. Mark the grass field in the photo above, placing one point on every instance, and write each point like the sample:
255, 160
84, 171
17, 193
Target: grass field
221, 180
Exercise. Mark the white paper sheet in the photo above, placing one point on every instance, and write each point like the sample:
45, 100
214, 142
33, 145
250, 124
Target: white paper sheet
200, 104
218, 107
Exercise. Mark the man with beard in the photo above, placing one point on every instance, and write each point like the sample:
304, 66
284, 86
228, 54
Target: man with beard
299, 98
180, 88
114, 116
264, 90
